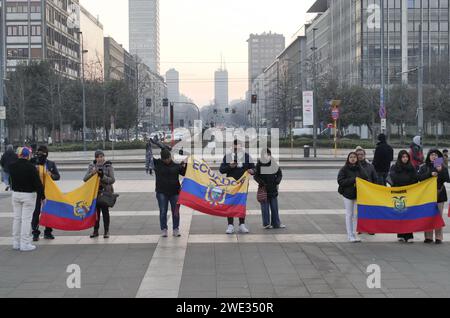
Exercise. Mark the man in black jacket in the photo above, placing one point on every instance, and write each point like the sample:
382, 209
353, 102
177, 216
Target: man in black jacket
384, 155
26, 187
8, 158
43, 166
235, 165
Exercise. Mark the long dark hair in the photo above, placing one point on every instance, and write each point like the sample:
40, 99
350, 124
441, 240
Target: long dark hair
432, 151
348, 164
399, 165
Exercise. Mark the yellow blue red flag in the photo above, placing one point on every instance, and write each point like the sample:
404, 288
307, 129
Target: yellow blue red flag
74, 211
205, 191
401, 210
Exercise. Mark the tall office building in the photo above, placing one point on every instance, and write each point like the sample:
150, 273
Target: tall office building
144, 31
221, 88
94, 59
262, 51
173, 85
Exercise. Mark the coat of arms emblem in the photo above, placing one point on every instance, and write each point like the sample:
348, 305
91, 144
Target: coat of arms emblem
215, 195
399, 204
81, 210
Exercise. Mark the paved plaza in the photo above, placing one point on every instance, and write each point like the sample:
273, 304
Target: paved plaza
311, 258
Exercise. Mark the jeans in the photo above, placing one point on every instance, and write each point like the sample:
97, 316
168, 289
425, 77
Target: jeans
36, 217
163, 202
106, 219
271, 219
350, 218
382, 178
5, 178
23, 205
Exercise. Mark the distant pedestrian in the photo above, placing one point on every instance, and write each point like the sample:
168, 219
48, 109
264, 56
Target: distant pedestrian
416, 152
445, 153
168, 189
105, 170
8, 158
44, 167
384, 155
428, 170
149, 158
26, 186
404, 174
235, 165
366, 165
347, 188
269, 182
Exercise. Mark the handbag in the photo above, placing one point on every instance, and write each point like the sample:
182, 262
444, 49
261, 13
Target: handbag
261, 195
107, 199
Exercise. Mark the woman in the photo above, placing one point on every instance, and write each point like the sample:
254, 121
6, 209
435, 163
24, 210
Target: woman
105, 171
347, 188
404, 174
429, 170
268, 175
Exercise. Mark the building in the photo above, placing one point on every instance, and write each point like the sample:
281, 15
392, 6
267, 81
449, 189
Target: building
93, 43
221, 89
262, 51
173, 85
38, 30
144, 31
130, 70
114, 60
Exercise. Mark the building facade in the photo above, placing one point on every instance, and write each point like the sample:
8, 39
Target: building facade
114, 60
221, 89
173, 85
94, 59
47, 30
144, 32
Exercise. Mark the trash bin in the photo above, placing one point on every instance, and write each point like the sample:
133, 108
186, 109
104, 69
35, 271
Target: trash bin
306, 151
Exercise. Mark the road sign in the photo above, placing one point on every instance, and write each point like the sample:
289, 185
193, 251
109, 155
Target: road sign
383, 124
2, 112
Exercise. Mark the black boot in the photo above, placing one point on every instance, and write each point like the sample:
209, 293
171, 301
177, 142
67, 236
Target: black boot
95, 234
106, 236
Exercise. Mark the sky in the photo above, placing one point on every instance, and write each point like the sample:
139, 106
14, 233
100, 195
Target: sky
196, 33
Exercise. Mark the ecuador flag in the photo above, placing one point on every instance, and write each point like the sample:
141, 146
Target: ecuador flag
205, 191
398, 210
74, 211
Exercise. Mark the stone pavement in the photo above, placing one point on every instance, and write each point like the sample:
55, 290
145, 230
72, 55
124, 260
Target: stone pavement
311, 258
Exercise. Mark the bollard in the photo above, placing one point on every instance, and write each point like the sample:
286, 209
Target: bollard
306, 151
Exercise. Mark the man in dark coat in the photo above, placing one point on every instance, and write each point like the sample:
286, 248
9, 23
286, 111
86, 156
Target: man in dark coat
8, 158
384, 155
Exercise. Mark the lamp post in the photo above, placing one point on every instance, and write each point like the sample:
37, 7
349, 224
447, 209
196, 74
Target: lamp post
83, 51
2, 73
314, 48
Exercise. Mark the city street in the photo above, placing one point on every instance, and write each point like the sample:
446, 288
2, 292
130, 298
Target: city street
311, 258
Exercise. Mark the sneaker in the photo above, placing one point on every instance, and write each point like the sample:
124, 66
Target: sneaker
230, 229
7, 189
49, 237
243, 229
94, 235
176, 233
267, 227
281, 227
438, 242
428, 241
402, 240
16, 247
354, 240
28, 248
411, 241
106, 236
36, 238
164, 233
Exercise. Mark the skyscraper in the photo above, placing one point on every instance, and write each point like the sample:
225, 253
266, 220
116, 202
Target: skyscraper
144, 31
173, 85
221, 88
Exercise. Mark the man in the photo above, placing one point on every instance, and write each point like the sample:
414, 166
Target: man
234, 166
416, 153
44, 167
149, 157
26, 187
368, 167
8, 158
445, 153
168, 189
384, 155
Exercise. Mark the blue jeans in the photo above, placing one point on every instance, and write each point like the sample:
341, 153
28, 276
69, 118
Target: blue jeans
271, 219
163, 202
5, 177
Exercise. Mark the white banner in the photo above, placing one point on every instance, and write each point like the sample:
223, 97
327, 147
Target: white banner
308, 108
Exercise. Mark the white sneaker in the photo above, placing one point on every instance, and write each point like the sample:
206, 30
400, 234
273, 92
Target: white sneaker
230, 229
243, 229
176, 233
164, 233
268, 227
355, 240
16, 247
28, 248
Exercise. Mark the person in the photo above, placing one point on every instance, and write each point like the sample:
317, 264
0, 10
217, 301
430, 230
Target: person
270, 182
149, 158
445, 153
235, 165
8, 158
347, 188
26, 186
403, 174
168, 189
384, 155
416, 152
366, 165
429, 170
105, 170
44, 167
50, 140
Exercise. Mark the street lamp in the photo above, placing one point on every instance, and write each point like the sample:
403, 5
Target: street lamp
83, 51
314, 48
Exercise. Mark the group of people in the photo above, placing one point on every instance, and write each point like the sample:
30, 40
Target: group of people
411, 167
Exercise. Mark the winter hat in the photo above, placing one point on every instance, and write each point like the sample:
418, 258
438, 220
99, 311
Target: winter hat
382, 138
417, 140
24, 152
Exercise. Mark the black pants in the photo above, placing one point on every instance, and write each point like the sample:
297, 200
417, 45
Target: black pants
106, 218
407, 237
36, 217
231, 221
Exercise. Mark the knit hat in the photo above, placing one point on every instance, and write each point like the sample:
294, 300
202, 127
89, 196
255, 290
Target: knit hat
24, 152
417, 140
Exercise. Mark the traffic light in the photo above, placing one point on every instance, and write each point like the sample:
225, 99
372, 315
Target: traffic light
148, 102
254, 99
165, 102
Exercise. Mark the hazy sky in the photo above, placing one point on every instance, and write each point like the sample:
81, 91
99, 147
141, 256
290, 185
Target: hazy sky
194, 34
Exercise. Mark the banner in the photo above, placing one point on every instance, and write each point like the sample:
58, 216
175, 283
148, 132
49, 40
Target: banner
205, 191
74, 211
308, 108
398, 210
